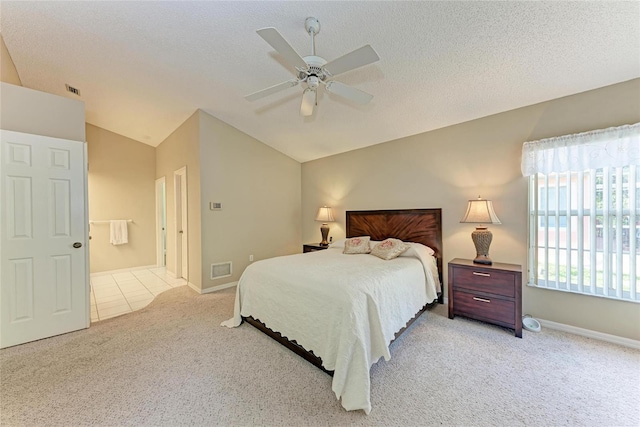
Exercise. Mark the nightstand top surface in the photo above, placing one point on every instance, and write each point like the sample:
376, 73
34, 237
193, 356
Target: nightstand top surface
315, 245
495, 265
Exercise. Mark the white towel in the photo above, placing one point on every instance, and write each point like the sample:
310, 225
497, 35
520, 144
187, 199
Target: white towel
118, 232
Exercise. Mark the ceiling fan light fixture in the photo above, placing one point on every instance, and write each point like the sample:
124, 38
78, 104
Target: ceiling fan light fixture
308, 101
313, 82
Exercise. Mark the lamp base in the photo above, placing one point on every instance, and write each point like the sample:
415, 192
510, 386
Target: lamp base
482, 240
482, 259
324, 229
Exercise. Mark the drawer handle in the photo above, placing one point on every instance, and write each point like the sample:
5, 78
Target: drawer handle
481, 274
481, 299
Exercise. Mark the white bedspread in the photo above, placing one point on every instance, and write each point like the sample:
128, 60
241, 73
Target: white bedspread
344, 308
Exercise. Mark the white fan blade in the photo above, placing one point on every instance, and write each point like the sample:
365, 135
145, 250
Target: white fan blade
352, 60
275, 39
348, 92
308, 101
273, 89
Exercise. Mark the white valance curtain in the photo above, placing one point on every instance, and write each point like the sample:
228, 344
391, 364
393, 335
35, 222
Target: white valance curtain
613, 147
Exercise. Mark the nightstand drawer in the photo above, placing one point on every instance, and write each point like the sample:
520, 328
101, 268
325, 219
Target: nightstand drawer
484, 308
484, 280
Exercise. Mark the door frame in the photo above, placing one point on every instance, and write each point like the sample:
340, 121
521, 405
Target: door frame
180, 219
87, 227
161, 221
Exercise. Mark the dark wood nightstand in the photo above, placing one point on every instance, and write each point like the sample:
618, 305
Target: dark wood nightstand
312, 247
491, 293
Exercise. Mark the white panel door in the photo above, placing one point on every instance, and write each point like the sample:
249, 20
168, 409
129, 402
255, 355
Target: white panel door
44, 281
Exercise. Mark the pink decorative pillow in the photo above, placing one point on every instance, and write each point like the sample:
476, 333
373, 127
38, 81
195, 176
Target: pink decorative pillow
390, 249
357, 245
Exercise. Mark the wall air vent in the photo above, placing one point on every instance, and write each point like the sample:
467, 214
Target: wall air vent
72, 89
222, 269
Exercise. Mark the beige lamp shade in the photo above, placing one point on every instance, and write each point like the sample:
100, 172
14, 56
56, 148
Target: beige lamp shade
325, 215
480, 211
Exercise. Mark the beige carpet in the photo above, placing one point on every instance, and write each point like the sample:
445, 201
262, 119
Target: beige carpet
172, 364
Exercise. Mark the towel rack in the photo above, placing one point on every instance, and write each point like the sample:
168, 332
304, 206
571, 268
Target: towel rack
106, 221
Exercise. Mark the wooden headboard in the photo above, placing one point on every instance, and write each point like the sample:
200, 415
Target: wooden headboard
409, 225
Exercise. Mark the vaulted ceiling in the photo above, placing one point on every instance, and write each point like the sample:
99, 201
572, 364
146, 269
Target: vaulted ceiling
144, 67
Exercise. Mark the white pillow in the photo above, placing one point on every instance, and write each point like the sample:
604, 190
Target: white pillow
415, 247
339, 244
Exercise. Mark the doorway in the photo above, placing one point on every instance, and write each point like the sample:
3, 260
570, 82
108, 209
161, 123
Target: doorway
181, 223
161, 222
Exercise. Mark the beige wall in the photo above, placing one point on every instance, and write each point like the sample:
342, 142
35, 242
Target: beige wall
39, 113
446, 167
259, 189
8, 72
182, 148
122, 176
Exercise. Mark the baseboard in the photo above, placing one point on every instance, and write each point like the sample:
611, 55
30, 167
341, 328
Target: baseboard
123, 270
220, 287
212, 289
627, 342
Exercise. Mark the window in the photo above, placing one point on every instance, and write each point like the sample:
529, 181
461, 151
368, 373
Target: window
548, 196
584, 212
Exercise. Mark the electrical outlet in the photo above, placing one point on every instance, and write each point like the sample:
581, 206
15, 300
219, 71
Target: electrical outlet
250, 258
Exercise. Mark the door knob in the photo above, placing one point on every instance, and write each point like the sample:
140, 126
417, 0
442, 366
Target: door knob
77, 245
180, 231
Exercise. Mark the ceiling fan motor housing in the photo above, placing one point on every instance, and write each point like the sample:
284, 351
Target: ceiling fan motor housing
315, 64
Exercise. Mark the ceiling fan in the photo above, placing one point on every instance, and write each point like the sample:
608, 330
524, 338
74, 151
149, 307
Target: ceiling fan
314, 70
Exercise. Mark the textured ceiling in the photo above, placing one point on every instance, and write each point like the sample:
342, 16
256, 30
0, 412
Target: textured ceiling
144, 67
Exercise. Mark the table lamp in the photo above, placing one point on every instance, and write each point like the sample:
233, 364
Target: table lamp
480, 211
325, 215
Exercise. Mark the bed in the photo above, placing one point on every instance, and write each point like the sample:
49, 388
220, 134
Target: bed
341, 312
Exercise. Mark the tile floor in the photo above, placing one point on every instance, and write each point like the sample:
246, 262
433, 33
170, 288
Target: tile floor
124, 292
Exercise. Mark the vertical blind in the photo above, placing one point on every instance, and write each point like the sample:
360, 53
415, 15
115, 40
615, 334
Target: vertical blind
584, 212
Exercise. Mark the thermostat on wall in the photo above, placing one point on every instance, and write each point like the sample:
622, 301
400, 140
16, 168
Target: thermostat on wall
215, 206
